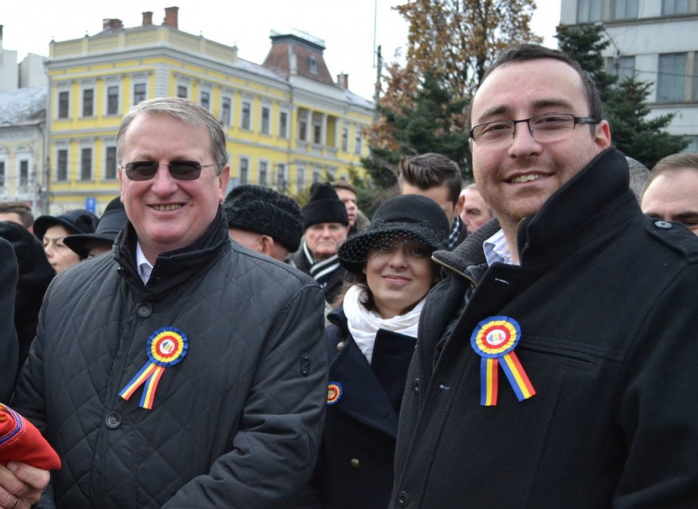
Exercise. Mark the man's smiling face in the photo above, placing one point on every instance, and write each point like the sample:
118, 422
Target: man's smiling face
168, 213
517, 177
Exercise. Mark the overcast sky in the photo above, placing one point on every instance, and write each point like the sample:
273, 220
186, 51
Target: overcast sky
347, 26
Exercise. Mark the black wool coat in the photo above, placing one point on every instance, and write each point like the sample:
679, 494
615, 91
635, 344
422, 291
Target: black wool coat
334, 284
607, 301
355, 464
237, 423
8, 336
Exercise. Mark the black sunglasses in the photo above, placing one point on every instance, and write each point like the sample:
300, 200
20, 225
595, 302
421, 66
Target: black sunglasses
180, 170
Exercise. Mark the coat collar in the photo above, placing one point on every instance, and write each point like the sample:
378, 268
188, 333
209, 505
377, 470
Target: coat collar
172, 268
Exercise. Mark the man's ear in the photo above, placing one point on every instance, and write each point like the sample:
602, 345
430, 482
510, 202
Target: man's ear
267, 245
459, 205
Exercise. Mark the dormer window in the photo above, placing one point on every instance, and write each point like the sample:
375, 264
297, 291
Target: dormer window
312, 65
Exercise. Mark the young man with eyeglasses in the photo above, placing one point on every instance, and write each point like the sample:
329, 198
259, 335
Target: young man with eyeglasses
184, 370
556, 361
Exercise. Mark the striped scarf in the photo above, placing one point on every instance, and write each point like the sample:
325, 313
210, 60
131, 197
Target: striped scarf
321, 271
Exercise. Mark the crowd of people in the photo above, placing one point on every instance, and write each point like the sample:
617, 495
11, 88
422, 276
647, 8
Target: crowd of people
192, 349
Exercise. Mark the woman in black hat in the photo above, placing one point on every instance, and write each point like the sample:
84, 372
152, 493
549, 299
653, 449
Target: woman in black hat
51, 230
371, 339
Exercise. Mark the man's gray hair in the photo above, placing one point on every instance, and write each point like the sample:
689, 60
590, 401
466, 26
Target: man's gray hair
638, 176
184, 110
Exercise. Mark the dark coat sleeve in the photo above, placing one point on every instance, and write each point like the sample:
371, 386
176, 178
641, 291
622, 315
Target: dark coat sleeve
275, 447
658, 408
8, 335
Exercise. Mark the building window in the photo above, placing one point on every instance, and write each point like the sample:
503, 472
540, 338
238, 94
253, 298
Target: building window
281, 177
300, 178
244, 168
303, 126
317, 134
63, 104
358, 142
86, 164
110, 163
317, 175
246, 111
138, 93
88, 102
113, 100
312, 64
265, 120
673, 7
263, 168
624, 9
692, 147
623, 67
2, 174
226, 106
62, 165
206, 100
672, 69
23, 174
695, 77
589, 11
345, 139
182, 92
283, 124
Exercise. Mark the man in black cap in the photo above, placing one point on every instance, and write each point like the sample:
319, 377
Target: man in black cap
89, 245
264, 221
326, 227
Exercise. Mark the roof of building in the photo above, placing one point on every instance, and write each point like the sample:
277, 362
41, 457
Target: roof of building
23, 106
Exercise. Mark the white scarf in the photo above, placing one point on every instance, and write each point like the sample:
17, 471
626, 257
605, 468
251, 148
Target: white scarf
364, 324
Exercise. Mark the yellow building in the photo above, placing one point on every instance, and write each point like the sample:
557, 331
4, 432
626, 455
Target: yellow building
22, 140
287, 122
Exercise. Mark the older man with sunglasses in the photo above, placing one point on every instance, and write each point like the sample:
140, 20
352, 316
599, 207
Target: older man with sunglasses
184, 370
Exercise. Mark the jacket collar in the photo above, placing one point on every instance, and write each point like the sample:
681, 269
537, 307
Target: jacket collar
172, 268
594, 201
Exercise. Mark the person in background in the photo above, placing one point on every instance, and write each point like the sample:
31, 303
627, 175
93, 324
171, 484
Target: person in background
326, 227
17, 212
89, 245
437, 177
264, 221
671, 191
35, 274
474, 212
371, 340
51, 230
358, 222
8, 335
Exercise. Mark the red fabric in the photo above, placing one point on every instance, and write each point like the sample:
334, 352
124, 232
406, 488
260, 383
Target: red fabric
21, 441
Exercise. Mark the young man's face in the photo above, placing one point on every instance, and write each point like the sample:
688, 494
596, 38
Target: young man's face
517, 176
439, 194
349, 200
673, 196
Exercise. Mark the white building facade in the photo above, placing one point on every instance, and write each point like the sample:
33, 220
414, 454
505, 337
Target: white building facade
657, 40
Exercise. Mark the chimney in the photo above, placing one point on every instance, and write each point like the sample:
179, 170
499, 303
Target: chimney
343, 80
171, 17
147, 18
112, 23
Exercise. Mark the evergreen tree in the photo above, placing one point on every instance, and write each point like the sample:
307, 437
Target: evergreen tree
632, 132
625, 104
433, 122
585, 44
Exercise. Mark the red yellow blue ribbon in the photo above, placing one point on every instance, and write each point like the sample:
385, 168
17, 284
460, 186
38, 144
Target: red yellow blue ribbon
493, 339
166, 347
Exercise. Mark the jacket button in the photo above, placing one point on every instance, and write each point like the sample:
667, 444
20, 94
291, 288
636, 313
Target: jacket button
415, 386
355, 464
663, 225
113, 420
144, 309
340, 345
403, 499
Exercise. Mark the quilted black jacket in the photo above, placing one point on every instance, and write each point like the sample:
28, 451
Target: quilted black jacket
236, 424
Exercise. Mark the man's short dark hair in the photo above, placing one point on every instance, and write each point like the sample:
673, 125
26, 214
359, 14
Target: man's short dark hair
431, 170
19, 208
671, 164
528, 52
340, 184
